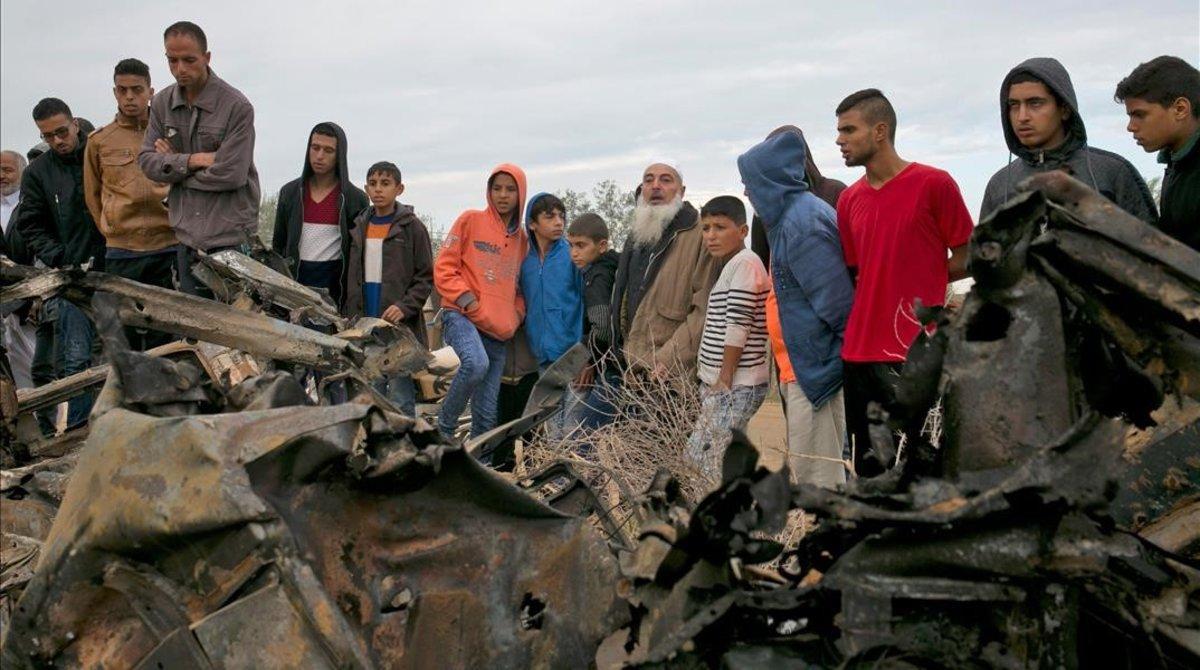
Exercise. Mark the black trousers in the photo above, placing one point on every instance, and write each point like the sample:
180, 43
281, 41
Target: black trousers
866, 383
185, 258
155, 270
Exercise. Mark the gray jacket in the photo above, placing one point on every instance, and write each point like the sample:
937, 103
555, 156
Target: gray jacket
216, 206
1109, 174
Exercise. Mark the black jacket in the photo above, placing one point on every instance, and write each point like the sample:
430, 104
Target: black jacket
52, 218
289, 211
598, 280
1181, 195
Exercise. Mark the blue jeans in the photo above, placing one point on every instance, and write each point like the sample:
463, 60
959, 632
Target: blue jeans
481, 365
401, 391
598, 406
73, 339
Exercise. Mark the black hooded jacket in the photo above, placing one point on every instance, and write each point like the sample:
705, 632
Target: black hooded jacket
289, 211
52, 218
1109, 174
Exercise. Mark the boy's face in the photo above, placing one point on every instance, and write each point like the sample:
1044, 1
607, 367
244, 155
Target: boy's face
322, 154
504, 194
1035, 117
723, 237
1154, 126
383, 189
585, 250
548, 226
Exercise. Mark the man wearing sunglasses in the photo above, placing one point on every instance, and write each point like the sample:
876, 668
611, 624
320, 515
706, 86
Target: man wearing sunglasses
56, 225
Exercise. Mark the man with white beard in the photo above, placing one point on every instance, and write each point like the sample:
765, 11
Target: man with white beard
18, 333
663, 280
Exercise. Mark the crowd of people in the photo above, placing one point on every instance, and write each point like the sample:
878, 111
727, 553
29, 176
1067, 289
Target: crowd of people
826, 288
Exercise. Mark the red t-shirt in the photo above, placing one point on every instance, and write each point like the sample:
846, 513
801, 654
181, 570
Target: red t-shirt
897, 236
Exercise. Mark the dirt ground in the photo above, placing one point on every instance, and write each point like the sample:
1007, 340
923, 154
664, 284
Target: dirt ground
768, 431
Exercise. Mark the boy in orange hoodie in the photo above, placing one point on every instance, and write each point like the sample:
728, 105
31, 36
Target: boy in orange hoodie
476, 276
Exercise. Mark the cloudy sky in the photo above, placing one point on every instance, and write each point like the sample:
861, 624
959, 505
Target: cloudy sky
577, 92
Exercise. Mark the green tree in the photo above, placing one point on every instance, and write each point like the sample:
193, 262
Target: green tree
614, 204
266, 218
1155, 185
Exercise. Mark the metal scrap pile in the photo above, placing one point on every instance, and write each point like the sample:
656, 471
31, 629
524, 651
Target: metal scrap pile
215, 517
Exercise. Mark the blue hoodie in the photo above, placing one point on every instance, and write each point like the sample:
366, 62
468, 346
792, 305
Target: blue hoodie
553, 290
811, 282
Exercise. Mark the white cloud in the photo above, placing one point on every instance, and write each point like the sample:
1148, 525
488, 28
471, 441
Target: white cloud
577, 92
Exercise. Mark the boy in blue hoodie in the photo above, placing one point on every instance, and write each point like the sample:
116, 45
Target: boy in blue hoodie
552, 286
814, 293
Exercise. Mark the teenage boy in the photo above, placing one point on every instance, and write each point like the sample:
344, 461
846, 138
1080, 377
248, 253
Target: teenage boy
128, 207
808, 309
588, 237
1162, 99
476, 277
390, 269
54, 222
315, 213
553, 291
550, 283
732, 363
1043, 128
896, 224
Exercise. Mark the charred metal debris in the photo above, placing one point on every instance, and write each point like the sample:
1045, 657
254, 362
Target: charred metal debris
213, 515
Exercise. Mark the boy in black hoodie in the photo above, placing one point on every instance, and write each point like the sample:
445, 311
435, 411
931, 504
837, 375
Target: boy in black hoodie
588, 237
315, 213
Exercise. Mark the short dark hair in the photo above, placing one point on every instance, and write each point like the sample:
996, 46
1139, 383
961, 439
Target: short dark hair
1162, 81
48, 107
1030, 78
590, 225
132, 66
725, 205
385, 168
546, 203
874, 105
187, 28
325, 129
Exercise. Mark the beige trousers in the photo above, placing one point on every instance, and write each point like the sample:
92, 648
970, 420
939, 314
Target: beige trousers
815, 438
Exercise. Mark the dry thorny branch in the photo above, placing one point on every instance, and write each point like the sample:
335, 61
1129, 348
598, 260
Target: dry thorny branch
652, 420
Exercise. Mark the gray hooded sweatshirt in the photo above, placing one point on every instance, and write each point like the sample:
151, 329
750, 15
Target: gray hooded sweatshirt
1109, 174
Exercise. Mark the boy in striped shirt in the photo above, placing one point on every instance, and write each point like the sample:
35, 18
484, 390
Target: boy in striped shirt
732, 364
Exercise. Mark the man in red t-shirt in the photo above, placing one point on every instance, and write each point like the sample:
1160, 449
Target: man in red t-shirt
904, 230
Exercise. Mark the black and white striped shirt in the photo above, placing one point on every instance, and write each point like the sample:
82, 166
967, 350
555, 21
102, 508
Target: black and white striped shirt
737, 317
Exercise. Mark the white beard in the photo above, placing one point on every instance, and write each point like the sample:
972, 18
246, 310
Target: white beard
11, 188
650, 221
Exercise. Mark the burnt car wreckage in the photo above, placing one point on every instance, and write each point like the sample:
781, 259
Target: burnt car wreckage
215, 517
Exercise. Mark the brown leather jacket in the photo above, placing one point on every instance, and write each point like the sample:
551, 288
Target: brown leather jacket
127, 207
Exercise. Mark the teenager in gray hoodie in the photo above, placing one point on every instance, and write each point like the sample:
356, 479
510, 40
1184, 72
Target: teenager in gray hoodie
1043, 128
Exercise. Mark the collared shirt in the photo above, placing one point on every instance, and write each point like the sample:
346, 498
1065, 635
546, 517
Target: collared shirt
1167, 157
216, 206
7, 204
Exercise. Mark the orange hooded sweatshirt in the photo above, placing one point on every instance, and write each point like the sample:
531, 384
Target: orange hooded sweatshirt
477, 269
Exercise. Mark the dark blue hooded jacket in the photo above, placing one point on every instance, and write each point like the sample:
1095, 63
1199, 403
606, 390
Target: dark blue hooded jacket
811, 282
553, 290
